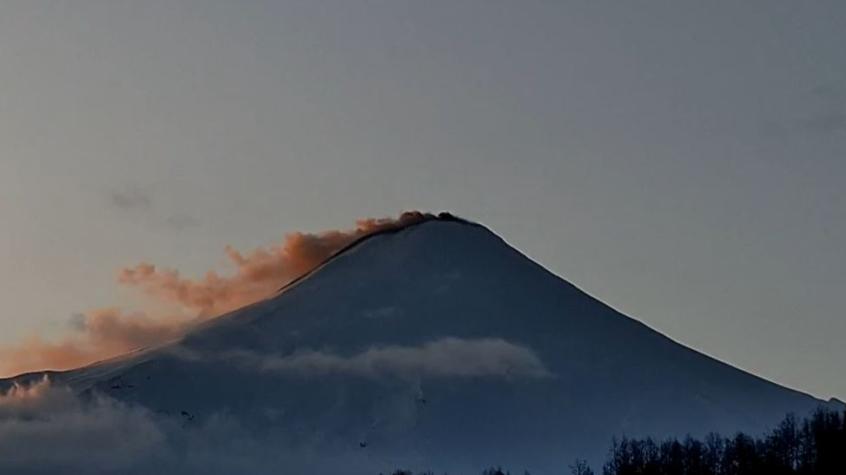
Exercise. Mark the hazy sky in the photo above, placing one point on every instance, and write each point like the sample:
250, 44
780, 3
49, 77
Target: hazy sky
682, 161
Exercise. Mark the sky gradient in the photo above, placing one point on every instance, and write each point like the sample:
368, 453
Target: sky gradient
682, 161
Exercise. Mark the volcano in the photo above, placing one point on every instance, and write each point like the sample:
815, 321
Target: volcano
435, 345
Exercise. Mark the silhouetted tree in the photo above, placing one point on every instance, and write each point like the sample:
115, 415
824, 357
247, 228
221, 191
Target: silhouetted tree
580, 467
817, 446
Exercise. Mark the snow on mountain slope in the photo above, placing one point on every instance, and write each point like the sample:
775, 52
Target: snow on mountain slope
439, 346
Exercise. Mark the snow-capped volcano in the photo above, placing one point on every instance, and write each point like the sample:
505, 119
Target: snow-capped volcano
435, 345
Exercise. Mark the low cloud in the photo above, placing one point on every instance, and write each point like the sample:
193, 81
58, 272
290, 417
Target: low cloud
443, 358
258, 274
47, 428
44, 428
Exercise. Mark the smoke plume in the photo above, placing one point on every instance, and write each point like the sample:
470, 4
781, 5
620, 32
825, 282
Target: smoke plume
258, 274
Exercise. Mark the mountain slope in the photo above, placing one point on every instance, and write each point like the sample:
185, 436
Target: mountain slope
438, 345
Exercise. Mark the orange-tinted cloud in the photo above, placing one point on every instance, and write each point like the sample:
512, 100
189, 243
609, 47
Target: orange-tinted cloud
99, 335
258, 274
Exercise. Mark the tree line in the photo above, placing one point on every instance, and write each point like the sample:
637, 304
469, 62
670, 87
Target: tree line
816, 445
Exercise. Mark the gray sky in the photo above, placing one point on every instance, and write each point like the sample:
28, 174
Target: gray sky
682, 161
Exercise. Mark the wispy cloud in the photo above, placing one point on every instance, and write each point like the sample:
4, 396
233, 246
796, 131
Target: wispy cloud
139, 202
830, 115
824, 115
179, 222
443, 358
130, 199
831, 91
825, 123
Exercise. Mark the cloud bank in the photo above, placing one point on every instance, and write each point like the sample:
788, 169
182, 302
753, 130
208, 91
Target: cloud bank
258, 274
443, 358
45, 428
